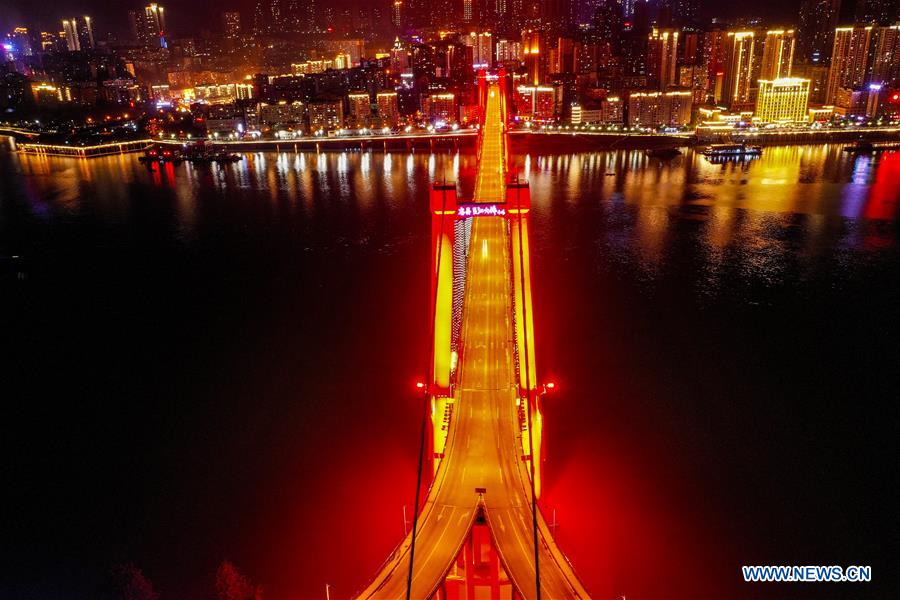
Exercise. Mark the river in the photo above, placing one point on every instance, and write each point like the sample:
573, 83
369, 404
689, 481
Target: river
218, 362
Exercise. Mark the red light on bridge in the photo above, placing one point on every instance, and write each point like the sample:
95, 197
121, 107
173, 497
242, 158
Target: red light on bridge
420, 385
551, 386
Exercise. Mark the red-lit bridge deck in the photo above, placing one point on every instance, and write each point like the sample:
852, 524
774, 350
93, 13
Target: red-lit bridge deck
484, 448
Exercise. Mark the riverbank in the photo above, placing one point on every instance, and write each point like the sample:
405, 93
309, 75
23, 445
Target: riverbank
521, 141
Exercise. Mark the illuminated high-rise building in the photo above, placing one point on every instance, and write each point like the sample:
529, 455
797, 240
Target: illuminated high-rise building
231, 24
482, 45
886, 56
326, 114
537, 102
70, 31
155, 16
739, 59
49, 41
399, 58
360, 104
149, 26
468, 11
508, 51
714, 60
662, 56
672, 108
78, 34
849, 59
86, 33
267, 17
690, 53
694, 77
783, 100
21, 42
778, 54
818, 18
388, 108
310, 16
533, 56
397, 14
289, 16
605, 35
440, 107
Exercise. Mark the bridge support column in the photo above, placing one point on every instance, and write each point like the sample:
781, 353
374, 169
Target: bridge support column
518, 202
443, 217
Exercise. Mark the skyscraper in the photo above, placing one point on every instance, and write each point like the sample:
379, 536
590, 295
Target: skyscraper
397, 14
818, 18
388, 108
628, 9
231, 24
606, 23
778, 54
886, 56
149, 26
739, 58
662, 55
267, 17
849, 59
482, 44
22, 41
360, 104
289, 16
86, 33
534, 60
714, 61
70, 30
79, 35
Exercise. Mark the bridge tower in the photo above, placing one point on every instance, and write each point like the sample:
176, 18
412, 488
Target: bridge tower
518, 203
443, 216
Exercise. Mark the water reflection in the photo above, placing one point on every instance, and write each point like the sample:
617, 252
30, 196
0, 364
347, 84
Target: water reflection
612, 229
820, 181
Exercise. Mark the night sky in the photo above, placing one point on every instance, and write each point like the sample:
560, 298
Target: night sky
189, 16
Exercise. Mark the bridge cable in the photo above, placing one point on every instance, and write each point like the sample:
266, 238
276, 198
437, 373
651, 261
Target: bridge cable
425, 414
534, 520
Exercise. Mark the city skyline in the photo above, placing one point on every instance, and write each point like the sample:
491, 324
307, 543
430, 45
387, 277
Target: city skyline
112, 16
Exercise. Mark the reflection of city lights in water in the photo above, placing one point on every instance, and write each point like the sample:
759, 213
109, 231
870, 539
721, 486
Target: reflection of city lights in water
365, 163
855, 193
885, 197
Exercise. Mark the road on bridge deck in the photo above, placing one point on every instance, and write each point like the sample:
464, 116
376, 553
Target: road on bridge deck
484, 450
